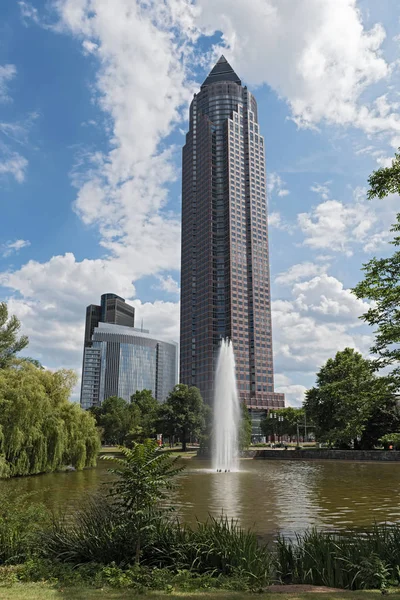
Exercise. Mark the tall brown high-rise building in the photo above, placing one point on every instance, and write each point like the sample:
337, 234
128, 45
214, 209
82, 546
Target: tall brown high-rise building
225, 265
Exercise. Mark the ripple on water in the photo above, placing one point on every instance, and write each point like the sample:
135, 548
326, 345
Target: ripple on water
267, 496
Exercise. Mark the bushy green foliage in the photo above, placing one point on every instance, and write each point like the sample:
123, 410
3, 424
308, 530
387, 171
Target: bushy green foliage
99, 534
40, 430
145, 475
283, 421
148, 409
216, 546
381, 283
349, 402
391, 439
117, 419
141, 579
184, 414
352, 560
21, 521
9, 342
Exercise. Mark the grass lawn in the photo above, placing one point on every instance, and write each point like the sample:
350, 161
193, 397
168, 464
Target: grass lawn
44, 592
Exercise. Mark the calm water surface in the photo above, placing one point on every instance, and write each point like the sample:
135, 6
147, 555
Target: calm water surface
268, 496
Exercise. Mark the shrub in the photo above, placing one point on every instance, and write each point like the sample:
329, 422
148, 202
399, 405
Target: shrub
352, 560
20, 524
99, 534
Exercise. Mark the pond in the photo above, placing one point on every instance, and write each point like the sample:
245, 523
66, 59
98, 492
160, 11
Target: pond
267, 496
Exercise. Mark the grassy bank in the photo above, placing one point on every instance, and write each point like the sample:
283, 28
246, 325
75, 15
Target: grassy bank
46, 592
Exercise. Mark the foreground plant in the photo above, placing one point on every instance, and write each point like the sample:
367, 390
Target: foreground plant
145, 476
350, 560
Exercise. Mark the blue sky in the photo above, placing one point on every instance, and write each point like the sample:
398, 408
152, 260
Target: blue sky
93, 108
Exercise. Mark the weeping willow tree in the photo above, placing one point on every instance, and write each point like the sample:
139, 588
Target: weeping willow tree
40, 429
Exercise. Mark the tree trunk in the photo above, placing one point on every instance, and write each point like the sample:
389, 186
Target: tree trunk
183, 440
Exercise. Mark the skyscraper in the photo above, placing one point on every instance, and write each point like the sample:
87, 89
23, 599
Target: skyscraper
112, 309
225, 289
119, 359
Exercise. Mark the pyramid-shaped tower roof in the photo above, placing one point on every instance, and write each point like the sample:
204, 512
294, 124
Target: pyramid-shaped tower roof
222, 71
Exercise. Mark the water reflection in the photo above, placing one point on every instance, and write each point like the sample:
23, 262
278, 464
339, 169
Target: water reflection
225, 491
267, 496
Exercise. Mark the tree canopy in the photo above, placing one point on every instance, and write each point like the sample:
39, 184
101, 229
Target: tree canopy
148, 409
283, 421
117, 419
183, 414
40, 429
10, 344
381, 283
347, 398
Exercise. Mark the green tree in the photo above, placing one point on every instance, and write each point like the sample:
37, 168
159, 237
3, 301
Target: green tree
117, 419
283, 421
10, 344
381, 283
345, 398
244, 428
145, 479
148, 408
40, 429
183, 414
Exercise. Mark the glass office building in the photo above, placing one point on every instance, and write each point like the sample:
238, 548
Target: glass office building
225, 291
122, 360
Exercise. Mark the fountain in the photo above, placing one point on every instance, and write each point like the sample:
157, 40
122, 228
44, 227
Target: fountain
226, 412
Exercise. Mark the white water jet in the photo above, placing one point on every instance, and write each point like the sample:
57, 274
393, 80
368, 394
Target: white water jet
226, 412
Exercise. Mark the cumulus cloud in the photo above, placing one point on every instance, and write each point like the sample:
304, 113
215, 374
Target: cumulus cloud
341, 227
276, 220
142, 85
13, 247
294, 393
168, 284
321, 189
320, 319
299, 272
162, 318
327, 57
51, 300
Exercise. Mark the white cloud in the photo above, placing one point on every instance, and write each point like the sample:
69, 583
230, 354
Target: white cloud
7, 72
294, 393
340, 227
64, 282
321, 189
168, 284
12, 163
298, 272
326, 59
14, 247
275, 220
142, 86
162, 318
51, 300
320, 319
276, 185
326, 297
28, 13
